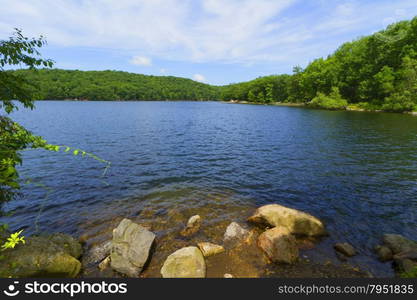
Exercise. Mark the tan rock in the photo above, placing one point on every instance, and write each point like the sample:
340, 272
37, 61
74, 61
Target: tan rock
209, 249
104, 264
193, 225
297, 222
279, 245
186, 262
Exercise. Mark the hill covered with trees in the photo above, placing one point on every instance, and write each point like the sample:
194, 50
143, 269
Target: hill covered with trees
114, 85
376, 72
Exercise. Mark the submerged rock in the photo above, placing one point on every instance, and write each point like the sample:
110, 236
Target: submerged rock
130, 248
279, 245
397, 243
345, 248
297, 222
384, 253
235, 232
97, 253
54, 255
187, 262
193, 225
209, 249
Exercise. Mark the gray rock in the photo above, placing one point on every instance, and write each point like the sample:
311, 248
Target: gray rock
279, 245
53, 255
297, 222
130, 248
193, 225
384, 253
209, 249
97, 253
186, 262
345, 248
412, 254
235, 232
397, 243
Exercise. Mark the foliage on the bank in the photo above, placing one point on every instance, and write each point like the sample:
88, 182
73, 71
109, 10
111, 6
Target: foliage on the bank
333, 101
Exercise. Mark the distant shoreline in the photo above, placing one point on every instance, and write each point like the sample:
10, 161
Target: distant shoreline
286, 104
292, 104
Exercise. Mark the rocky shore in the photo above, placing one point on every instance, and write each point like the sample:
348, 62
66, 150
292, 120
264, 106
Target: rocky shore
271, 240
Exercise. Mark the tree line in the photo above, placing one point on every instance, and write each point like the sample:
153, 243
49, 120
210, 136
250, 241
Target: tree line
376, 72
57, 84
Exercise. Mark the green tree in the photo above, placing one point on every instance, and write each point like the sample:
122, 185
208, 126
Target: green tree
13, 137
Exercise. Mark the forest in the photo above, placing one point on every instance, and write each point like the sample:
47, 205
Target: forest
376, 72
60, 84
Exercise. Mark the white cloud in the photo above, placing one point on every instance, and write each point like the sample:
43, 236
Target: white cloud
228, 31
163, 71
141, 61
199, 77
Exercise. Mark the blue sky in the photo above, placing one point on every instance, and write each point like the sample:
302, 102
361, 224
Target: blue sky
214, 41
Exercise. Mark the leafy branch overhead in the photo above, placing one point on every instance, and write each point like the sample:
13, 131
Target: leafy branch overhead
22, 51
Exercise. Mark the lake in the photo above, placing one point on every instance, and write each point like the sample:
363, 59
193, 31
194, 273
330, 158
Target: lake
356, 171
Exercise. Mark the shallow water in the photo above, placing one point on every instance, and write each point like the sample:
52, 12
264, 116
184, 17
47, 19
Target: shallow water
170, 160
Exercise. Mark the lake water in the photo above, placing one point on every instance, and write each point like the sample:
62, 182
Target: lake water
169, 160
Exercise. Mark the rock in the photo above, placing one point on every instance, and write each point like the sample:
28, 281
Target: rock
279, 245
235, 232
397, 243
405, 265
104, 264
341, 256
97, 253
384, 253
297, 222
130, 248
412, 254
66, 242
209, 249
346, 249
43, 256
186, 262
193, 225
228, 275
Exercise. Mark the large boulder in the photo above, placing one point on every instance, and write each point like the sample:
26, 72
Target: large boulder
297, 222
193, 225
130, 248
186, 262
235, 232
279, 245
53, 255
397, 243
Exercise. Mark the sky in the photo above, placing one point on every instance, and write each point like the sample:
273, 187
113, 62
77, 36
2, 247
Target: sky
212, 41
